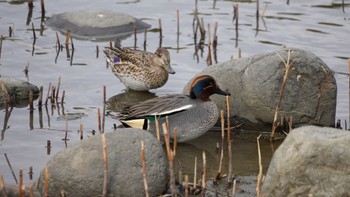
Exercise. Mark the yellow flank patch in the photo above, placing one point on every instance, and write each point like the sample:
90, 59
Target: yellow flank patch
138, 123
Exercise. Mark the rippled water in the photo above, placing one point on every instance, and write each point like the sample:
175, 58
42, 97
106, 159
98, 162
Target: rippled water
322, 28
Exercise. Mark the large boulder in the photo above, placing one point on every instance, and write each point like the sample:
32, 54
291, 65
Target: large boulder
312, 161
255, 83
96, 24
79, 169
18, 91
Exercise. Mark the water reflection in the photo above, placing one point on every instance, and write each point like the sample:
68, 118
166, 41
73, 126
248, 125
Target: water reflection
118, 102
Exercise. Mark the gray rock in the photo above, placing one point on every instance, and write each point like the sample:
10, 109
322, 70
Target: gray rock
255, 83
78, 170
98, 24
18, 91
312, 161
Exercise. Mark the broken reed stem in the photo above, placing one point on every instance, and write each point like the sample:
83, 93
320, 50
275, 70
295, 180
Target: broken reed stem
99, 119
195, 174
10, 31
160, 33
53, 95
257, 8
3, 186
174, 142
31, 190
40, 99
58, 88
209, 60
285, 77
178, 23
46, 183
348, 77
157, 127
34, 36
81, 130
144, 173
58, 43
48, 94
9, 164
258, 185
66, 132
239, 53
218, 176
67, 37
234, 188
97, 51
135, 36
72, 44
104, 108
145, 40
62, 99
215, 37
204, 174
170, 155
229, 177
42, 7
20, 185
1, 38
30, 4
105, 166
186, 185
6, 96
31, 106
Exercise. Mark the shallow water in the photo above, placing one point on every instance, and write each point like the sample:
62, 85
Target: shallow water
321, 28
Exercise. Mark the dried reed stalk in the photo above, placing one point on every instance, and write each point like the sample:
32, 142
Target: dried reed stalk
67, 37
234, 188
186, 185
34, 36
257, 8
105, 166
229, 177
58, 88
135, 36
204, 174
97, 51
209, 59
42, 7
156, 120
46, 183
99, 119
145, 40
48, 94
20, 185
40, 99
349, 81
9, 164
104, 108
81, 130
218, 176
239, 53
144, 173
3, 186
170, 155
31, 190
58, 43
195, 174
285, 77
1, 38
160, 33
31, 105
6, 96
260, 175
62, 99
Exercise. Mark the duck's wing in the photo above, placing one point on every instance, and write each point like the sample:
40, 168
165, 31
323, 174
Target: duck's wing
160, 106
120, 54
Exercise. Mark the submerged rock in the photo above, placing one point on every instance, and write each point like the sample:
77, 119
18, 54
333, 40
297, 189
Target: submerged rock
312, 161
18, 90
96, 24
255, 83
79, 169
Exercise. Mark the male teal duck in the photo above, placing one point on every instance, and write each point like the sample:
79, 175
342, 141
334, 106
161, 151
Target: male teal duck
140, 70
192, 115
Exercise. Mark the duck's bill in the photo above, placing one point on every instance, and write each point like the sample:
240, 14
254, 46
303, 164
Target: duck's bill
219, 91
170, 70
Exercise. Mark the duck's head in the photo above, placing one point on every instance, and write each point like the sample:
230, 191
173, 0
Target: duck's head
203, 87
163, 59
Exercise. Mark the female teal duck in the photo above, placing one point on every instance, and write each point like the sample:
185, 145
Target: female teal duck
192, 115
140, 70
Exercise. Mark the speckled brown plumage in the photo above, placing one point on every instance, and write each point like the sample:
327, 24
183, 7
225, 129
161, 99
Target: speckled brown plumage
140, 70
